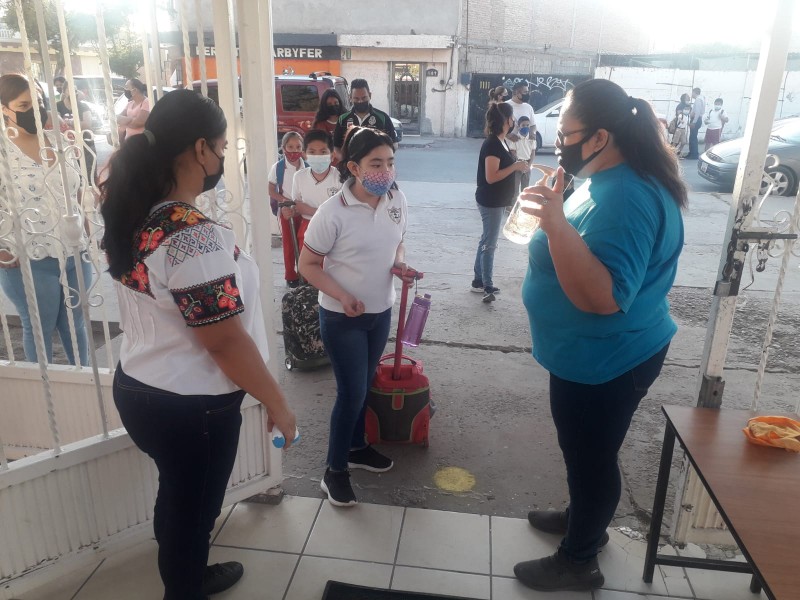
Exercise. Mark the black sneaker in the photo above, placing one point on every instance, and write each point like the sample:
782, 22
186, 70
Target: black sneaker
369, 459
477, 286
555, 521
488, 295
558, 572
495, 290
336, 484
221, 576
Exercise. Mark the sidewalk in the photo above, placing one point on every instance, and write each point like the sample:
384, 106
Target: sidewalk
290, 550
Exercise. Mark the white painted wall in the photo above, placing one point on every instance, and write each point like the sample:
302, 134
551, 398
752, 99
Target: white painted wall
663, 88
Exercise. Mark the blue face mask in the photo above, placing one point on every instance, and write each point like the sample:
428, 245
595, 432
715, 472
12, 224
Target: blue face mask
524, 131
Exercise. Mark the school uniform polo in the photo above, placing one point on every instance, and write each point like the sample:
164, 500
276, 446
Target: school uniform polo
359, 244
308, 190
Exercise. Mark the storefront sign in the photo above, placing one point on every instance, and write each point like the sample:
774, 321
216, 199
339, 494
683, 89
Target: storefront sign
294, 52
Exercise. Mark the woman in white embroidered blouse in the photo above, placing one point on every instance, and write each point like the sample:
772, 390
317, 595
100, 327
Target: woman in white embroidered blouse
40, 189
194, 338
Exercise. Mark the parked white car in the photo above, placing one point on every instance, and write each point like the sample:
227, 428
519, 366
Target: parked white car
546, 119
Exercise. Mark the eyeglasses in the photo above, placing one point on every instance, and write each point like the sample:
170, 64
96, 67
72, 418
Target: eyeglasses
562, 135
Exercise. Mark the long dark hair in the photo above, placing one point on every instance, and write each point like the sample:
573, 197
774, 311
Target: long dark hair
323, 112
496, 118
602, 104
142, 172
359, 142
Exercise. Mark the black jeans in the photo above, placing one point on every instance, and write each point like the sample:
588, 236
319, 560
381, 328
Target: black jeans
694, 129
592, 421
193, 441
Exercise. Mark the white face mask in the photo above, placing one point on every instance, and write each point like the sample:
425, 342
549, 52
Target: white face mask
319, 163
717, 108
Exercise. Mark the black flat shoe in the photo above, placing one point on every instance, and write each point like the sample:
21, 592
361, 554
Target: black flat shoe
221, 576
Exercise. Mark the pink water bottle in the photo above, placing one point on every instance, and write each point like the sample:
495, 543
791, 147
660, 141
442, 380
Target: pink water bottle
417, 317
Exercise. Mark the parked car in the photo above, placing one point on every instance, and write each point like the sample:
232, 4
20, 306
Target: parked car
546, 119
297, 99
718, 165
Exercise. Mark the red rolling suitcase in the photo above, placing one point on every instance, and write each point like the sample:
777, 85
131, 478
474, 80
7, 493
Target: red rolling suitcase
399, 400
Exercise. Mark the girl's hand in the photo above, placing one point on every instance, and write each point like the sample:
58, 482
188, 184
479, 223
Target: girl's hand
286, 424
287, 212
408, 280
547, 203
353, 307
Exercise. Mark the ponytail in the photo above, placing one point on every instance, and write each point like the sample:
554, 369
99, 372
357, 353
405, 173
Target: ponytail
602, 104
496, 117
142, 172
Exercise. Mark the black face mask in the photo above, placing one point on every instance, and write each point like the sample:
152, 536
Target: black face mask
27, 120
361, 107
333, 110
569, 157
128, 94
525, 97
211, 181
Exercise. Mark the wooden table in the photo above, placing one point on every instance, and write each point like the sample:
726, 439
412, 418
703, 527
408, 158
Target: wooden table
756, 490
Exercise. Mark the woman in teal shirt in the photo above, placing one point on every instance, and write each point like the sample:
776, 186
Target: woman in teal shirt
600, 268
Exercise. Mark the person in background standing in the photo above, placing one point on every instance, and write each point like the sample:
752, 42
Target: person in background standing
519, 104
64, 107
43, 202
362, 114
498, 94
685, 103
680, 136
524, 148
714, 120
315, 184
495, 192
59, 83
131, 121
281, 178
330, 109
696, 122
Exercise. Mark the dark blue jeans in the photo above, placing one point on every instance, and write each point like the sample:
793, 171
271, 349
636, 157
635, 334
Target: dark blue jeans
193, 441
492, 219
354, 345
592, 421
694, 148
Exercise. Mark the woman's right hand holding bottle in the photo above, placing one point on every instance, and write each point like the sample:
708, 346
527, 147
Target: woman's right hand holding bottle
286, 423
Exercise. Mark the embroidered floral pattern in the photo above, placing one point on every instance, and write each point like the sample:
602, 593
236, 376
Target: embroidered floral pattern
160, 227
209, 302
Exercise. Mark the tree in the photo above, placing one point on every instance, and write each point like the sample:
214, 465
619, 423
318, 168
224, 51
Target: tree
125, 57
81, 27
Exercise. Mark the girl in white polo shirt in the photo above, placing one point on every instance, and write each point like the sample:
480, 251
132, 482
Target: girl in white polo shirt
352, 243
194, 338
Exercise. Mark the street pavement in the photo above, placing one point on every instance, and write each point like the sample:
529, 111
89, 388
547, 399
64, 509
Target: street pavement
493, 418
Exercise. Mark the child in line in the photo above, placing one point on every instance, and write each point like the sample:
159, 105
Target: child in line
524, 148
316, 183
281, 177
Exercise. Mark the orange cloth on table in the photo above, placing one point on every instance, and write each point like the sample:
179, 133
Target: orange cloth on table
779, 432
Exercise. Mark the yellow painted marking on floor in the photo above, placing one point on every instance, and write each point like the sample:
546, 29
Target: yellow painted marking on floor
454, 479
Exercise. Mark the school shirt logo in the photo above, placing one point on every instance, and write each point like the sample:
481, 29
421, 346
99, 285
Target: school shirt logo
371, 121
394, 214
332, 191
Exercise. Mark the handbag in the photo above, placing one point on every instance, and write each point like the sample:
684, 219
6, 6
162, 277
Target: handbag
673, 125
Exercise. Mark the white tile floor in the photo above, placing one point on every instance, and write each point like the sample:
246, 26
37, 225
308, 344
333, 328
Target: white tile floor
291, 550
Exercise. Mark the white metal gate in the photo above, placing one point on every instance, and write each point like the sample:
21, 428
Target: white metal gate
72, 483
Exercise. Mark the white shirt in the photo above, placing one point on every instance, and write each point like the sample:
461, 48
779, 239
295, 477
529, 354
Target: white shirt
43, 204
359, 245
524, 147
521, 109
188, 272
288, 177
714, 118
312, 192
698, 109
